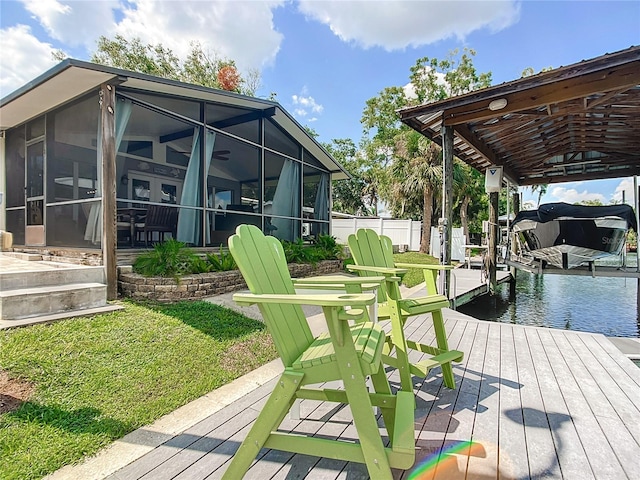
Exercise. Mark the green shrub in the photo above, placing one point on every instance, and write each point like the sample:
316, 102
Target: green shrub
328, 247
174, 259
167, 259
199, 265
222, 261
298, 252
324, 247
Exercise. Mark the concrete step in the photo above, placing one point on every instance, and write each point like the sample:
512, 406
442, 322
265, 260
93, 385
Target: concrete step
53, 317
50, 274
26, 257
51, 299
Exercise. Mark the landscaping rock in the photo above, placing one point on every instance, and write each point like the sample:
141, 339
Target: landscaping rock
194, 287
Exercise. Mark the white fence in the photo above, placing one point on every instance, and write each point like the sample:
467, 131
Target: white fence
401, 232
457, 244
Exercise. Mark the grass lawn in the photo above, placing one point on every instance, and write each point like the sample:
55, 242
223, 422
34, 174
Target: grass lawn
99, 378
414, 276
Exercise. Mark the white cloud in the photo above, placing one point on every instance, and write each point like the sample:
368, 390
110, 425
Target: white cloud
307, 103
242, 31
625, 185
571, 195
75, 23
395, 25
24, 58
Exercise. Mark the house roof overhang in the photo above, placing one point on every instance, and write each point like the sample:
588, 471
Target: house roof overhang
574, 123
73, 78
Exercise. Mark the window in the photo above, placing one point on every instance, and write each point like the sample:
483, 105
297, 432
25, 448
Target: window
282, 194
241, 122
15, 167
278, 140
72, 172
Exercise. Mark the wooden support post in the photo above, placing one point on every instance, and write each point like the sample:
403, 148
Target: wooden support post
3, 183
516, 203
493, 240
512, 284
447, 201
636, 190
108, 165
513, 270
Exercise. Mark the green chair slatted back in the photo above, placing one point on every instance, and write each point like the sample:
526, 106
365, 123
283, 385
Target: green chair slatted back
376, 251
370, 249
262, 262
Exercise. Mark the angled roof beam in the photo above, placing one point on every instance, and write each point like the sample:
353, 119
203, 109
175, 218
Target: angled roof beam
599, 101
484, 150
615, 78
229, 122
247, 117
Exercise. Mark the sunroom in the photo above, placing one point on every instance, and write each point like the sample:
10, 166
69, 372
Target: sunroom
94, 156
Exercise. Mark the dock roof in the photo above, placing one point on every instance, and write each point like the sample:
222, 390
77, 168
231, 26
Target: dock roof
573, 123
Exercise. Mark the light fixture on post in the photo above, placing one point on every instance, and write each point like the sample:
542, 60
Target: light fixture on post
498, 104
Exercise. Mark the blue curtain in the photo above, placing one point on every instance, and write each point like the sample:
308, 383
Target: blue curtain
189, 223
286, 200
93, 230
321, 209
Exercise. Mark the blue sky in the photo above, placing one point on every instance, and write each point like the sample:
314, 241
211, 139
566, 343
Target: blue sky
324, 59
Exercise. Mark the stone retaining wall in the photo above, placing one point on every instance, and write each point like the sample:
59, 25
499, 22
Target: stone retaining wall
194, 287
64, 255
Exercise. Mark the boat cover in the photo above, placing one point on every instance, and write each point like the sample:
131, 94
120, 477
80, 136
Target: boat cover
551, 211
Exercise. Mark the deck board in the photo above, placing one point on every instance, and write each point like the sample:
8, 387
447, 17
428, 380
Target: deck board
460, 425
533, 402
512, 460
559, 395
543, 459
600, 435
485, 427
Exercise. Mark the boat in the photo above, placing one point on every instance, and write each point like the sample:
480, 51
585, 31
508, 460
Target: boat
567, 236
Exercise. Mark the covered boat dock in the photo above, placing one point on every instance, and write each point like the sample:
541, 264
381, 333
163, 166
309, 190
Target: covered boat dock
574, 123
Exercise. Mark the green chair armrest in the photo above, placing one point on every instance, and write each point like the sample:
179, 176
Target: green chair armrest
425, 266
386, 271
326, 300
338, 280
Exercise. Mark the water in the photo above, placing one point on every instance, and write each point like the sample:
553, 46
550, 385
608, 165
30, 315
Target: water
598, 305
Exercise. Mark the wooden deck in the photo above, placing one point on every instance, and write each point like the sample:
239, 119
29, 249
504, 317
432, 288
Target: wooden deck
530, 403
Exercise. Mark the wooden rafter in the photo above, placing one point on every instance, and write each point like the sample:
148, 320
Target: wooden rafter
592, 106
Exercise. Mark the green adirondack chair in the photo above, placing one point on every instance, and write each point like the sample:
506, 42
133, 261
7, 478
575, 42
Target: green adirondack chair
373, 255
349, 351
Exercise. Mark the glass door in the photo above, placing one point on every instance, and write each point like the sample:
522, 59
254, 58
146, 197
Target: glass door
147, 188
34, 193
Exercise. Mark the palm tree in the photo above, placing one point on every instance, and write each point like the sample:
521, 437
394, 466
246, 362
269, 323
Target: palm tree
541, 189
416, 173
468, 185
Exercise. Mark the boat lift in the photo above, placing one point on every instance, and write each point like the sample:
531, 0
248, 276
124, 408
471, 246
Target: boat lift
592, 269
